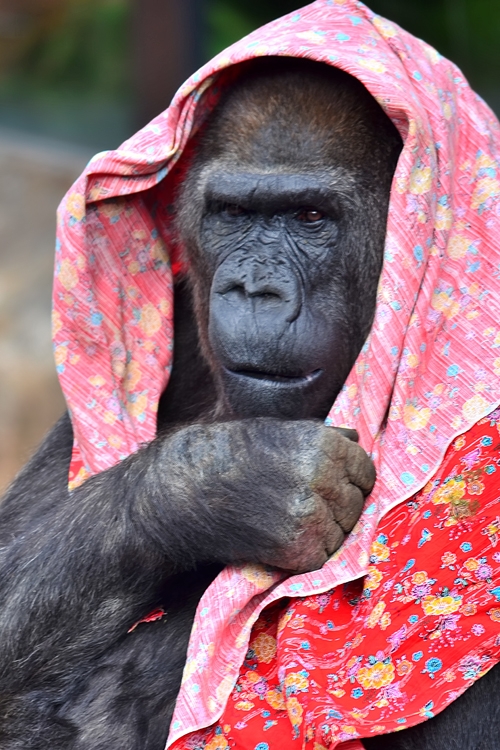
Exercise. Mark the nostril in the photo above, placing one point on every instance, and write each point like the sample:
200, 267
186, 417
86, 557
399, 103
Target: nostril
240, 293
268, 296
236, 293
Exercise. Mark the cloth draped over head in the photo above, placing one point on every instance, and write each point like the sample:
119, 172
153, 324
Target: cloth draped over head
429, 369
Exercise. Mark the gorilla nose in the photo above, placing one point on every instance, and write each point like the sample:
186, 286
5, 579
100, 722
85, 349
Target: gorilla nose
254, 295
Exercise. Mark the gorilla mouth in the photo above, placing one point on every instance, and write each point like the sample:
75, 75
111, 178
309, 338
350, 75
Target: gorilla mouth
276, 378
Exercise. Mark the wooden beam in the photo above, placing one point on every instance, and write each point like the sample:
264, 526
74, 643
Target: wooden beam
166, 38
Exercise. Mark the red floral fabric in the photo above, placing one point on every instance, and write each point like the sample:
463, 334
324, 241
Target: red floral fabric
391, 649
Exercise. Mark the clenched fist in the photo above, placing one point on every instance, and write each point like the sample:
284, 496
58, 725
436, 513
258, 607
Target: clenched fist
283, 493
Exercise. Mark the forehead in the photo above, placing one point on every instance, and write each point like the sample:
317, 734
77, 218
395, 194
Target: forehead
292, 113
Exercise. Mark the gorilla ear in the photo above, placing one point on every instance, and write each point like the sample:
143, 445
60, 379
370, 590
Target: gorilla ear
349, 434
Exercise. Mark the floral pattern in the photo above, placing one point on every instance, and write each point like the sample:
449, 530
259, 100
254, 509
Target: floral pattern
393, 649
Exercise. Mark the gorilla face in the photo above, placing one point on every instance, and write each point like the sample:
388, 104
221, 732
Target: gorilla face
272, 239
285, 236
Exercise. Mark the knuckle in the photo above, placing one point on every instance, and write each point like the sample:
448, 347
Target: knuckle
346, 505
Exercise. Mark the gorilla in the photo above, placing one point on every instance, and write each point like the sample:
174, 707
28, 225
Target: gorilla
282, 217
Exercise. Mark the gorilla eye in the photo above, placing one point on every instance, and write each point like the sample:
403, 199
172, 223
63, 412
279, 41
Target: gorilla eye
310, 215
232, 209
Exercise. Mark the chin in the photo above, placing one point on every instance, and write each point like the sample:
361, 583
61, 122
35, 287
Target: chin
250, 394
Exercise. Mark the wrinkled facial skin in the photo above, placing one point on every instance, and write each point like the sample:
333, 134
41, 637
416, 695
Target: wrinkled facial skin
283, 218
282, 347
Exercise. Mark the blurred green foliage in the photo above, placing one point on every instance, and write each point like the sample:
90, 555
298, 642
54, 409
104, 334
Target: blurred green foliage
71, 77
85, 49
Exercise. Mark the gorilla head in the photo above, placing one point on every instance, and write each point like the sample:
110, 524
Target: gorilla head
283, 218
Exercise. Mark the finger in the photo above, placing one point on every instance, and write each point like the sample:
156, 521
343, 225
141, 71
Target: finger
334, 537
360, 468
348, 507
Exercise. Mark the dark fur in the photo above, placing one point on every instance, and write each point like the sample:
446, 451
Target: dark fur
78, 570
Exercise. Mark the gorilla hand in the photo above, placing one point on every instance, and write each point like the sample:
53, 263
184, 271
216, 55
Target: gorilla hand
284, 493
278, 492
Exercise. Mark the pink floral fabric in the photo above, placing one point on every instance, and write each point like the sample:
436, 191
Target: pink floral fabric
427, 373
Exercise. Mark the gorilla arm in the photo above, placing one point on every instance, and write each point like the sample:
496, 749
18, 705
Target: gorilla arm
82, 567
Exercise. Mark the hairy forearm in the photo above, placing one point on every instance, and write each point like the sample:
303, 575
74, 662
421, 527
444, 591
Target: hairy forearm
78, 569
81, 568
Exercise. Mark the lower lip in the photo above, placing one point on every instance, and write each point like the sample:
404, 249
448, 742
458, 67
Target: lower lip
279, 381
